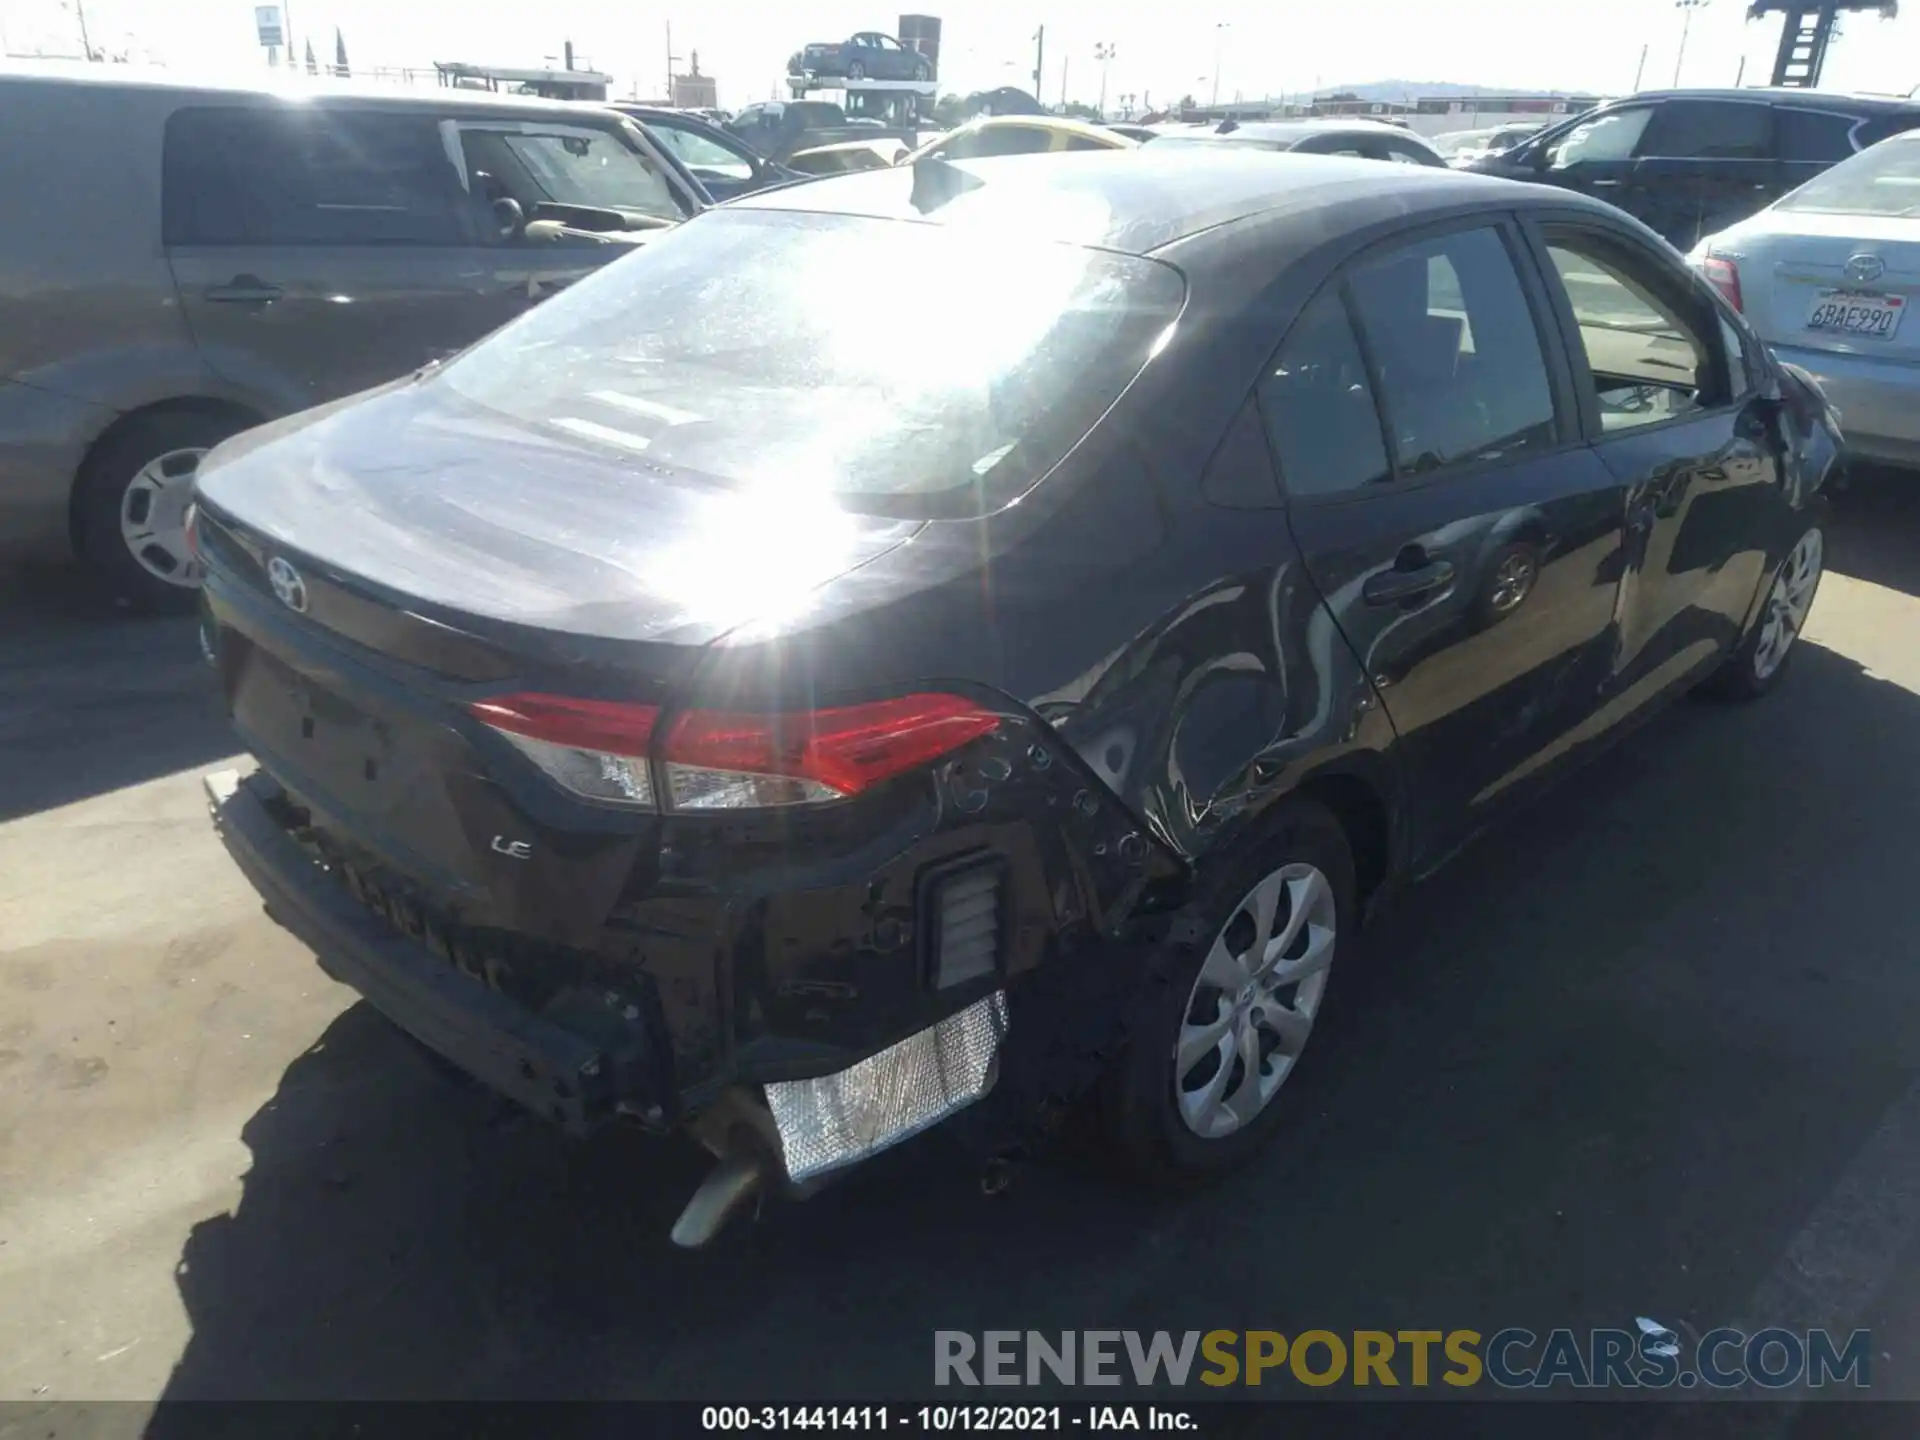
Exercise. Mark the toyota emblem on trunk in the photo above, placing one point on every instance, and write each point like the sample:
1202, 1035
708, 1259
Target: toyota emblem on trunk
287, 584
1865, 267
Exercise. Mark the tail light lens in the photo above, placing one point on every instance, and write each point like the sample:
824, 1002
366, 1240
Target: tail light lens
715, 760
595, 748
722, 760
1724, 276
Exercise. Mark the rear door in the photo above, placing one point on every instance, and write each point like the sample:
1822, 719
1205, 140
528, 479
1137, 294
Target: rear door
1702, 165
296, 237
1466, 540
1669, 398
321, 250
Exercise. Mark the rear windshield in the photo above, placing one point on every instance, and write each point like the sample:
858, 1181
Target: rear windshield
909, 369
1884, 180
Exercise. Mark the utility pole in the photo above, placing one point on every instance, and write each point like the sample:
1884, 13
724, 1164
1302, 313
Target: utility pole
80, 14
1686, 9
1640, 70
670, 58
1104, 54
1039, 58
1219, 45
286, 24
1065, 64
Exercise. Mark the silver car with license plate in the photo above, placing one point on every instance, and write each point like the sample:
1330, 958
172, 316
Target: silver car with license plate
1827, 275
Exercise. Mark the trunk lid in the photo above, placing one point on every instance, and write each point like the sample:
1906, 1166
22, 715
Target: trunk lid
1802, 261
414, 496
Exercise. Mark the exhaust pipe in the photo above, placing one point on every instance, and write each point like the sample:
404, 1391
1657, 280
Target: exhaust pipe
739, 1130
728, 1186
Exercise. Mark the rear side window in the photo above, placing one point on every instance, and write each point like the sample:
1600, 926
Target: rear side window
1874, 131
996, 140
1455, 352
1318, 405
281, 175
1813, 135
1709, 130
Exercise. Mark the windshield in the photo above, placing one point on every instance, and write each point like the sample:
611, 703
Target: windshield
1884, 180
1253, 142
724, 350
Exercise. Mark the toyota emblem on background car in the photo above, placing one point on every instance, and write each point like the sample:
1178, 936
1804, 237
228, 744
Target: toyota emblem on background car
1864, 268
287, 584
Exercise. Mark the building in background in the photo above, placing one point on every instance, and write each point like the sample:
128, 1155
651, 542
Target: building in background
695, 91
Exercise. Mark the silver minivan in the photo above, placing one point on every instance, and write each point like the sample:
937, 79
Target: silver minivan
181, 262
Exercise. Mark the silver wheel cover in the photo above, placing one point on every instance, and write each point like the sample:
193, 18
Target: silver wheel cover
153, 517
1788, 603
1253, 1003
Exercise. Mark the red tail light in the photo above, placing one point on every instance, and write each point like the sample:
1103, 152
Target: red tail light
595, 748
719, 760
716, 760
1724, 276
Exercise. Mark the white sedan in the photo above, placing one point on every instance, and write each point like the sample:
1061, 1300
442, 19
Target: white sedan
1827, 274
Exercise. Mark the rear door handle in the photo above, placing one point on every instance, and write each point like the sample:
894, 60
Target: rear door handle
1390, 587
244, 290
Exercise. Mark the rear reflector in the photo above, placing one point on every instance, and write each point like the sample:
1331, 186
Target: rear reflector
595, 748
717, 761
1724, 276
838, 1119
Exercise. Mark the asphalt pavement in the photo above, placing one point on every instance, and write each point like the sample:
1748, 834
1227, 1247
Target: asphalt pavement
1646, 1051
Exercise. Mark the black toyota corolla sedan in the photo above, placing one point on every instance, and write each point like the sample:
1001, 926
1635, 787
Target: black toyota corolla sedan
679, 709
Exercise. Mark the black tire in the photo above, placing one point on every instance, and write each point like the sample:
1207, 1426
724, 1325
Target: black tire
1741, 676
856, 71
101, 490
1140, 1113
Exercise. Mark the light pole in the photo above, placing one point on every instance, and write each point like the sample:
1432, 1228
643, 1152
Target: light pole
1686, 9
1103, 52
1219, 44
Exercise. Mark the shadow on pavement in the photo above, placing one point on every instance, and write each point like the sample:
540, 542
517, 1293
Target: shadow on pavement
1600, 1067
93, 698
1876, 529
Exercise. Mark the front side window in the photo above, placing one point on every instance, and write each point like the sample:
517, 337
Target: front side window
1709, 130
720, 353
538, 162
1461, 373
703, 156
1319, 408
1648, 363
1605, 139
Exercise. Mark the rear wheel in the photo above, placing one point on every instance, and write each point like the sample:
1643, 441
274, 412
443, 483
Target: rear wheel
134, 491
1756, 667
1223, 1026
856, 71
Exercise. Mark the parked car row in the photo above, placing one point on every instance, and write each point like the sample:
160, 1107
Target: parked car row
246, 258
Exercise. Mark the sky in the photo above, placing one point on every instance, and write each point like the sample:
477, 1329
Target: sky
1252, 48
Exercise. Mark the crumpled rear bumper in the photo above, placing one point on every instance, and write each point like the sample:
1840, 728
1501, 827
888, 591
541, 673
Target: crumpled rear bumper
551, 1070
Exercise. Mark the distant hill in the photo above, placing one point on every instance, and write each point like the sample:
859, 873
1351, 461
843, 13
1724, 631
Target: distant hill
1383, 90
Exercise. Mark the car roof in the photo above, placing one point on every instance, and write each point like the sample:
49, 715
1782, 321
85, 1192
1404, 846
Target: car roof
1783, 95
1143, 198
1292, 132
292, 87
